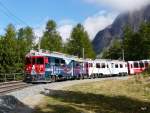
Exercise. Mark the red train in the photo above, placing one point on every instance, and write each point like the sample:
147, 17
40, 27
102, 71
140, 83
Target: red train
136, 67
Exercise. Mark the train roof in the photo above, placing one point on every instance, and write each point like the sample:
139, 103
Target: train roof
52, 54
139, 61
109, 60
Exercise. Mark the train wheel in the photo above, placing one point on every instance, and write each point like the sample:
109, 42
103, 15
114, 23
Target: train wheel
53, 78
82, 76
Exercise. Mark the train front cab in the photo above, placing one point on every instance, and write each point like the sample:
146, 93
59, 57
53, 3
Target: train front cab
34, 68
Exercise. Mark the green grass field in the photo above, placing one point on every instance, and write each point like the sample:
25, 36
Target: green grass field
110, 96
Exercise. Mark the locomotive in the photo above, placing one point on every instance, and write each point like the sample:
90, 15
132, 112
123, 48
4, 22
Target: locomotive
51, 66
45, 66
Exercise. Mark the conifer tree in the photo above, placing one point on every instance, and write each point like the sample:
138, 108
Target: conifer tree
79, 39
51, 39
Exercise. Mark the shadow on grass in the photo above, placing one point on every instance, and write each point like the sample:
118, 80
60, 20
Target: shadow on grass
97, 103
10, 104
59, 109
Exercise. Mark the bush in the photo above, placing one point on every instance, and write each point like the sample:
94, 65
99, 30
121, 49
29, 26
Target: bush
146, 73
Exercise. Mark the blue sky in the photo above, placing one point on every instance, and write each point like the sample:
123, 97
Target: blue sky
93, 14
34, 12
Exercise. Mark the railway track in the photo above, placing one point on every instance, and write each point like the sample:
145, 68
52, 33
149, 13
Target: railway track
8, 87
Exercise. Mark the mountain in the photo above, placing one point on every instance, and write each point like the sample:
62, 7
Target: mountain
134, 19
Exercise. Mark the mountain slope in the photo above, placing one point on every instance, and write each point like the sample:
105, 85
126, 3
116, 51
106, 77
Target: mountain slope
134, 19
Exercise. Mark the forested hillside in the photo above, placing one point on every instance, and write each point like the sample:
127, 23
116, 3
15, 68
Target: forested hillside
132, 18
135, 45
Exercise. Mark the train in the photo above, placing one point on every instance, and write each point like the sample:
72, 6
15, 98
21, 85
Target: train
46, 66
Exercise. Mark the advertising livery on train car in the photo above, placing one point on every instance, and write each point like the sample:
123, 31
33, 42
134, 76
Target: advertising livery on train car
43, 65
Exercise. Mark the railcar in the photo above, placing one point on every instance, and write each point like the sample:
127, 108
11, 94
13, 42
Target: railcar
88, 64
136, 67
104, 68
43, 66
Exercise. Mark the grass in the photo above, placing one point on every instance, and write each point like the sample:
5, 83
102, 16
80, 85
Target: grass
128, 96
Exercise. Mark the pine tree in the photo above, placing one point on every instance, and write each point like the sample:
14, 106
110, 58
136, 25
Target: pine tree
144, 32
51, 39
79, 39
8, 52
114, 51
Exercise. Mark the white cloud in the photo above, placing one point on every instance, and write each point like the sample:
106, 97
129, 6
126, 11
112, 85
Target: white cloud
64, 28
97, 22
92, 25
121, 5
65, 31
39, 31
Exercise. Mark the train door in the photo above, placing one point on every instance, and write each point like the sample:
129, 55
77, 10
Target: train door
111, 67
48, 68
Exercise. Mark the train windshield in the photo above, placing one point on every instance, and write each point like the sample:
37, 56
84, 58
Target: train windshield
37, 61
28, 61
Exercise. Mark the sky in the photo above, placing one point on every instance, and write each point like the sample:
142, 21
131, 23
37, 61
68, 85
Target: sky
95, 15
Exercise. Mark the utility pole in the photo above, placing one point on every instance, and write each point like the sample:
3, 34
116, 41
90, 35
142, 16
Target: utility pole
123, 54
39, 44
83, 52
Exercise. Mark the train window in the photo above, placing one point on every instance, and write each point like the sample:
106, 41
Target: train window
77, 64
121, 66
49, 59
141, 64
116, 65
107, 66
103, 65
131, 66
86, 64
136, 64
97, 65
90, 65
62, 61
28, 61
39, 61
57, 62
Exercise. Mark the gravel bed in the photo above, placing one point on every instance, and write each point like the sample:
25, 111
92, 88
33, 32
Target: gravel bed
11, 100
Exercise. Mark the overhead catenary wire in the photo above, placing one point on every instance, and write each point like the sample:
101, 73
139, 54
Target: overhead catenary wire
5, 13
9, 14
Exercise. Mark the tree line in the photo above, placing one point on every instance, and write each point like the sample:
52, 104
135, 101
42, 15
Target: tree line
134, 45
15, 44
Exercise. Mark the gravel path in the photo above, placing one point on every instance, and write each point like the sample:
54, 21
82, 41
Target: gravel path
29, 97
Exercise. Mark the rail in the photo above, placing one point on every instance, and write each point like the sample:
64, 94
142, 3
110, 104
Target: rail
6, 77
7, 87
